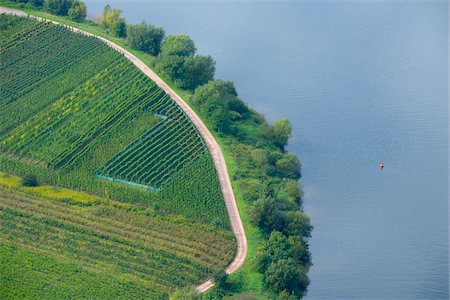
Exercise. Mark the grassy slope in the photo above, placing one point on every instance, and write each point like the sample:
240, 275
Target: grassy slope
247, 276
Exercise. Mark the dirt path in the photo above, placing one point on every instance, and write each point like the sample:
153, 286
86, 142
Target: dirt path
211, 143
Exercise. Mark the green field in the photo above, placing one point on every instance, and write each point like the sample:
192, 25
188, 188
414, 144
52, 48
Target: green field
78, 115
151, 253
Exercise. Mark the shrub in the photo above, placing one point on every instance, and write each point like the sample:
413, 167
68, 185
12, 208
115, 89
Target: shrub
30, 180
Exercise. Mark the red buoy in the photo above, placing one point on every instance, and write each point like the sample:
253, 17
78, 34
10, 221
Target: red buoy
381, 165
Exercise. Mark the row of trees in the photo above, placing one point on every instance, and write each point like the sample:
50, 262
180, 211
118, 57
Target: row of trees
267, 174
175, 55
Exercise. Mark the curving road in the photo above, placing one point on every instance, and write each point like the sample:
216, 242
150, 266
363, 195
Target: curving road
211, 143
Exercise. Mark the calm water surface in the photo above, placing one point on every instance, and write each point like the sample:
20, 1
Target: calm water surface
361, 82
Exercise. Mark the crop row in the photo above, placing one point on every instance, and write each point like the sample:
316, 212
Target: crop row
49, 91
90, 242
159, 153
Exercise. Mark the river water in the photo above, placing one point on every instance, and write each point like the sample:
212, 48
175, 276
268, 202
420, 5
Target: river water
361, 82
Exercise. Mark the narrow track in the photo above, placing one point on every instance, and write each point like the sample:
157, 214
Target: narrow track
211, 143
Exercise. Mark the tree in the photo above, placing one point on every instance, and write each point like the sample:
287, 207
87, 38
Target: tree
293, 189
213, 100
77, 11
280, 261
38, 3
58, 7
119, 28
198, 70
179, 45
297, 223
289, 166
259, 157
113, 22
265, 214
106, 11
172, 66
299, 249
177, 59
145, 37
282, 131
214, 91
282, 275
218, 117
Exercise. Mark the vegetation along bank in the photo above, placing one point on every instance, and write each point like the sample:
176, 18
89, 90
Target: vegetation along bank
265, 176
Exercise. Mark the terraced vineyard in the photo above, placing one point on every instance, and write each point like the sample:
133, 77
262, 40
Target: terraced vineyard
77, 114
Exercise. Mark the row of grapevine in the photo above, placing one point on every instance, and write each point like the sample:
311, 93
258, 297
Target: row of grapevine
163, 254
159, 153
97, 114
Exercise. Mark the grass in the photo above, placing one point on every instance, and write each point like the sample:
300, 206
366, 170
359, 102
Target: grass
247, 278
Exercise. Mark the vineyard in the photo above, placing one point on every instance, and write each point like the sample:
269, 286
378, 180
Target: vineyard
77, 114
152, 253
160, 152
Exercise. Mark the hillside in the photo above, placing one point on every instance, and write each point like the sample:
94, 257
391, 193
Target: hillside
77, 114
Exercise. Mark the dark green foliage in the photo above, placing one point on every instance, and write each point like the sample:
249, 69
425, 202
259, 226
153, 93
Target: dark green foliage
145, 37
218, 102
289, 166
279, 261
119, 28
178, 45
58, 7
35, 3
198, 70
284, 275
259, 157
280, 215
30, 180
178, 61
77, 11
38, 3
282, 131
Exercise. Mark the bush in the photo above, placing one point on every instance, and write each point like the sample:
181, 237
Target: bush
145, 37
58, 7
289, 166
78, 11
30, 180
178, 45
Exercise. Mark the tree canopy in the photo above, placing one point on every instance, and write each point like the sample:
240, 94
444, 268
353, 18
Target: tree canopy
177, 60
113, 22
77, 11
282, 131
278, 261
145, 37
179, 45
289, 166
